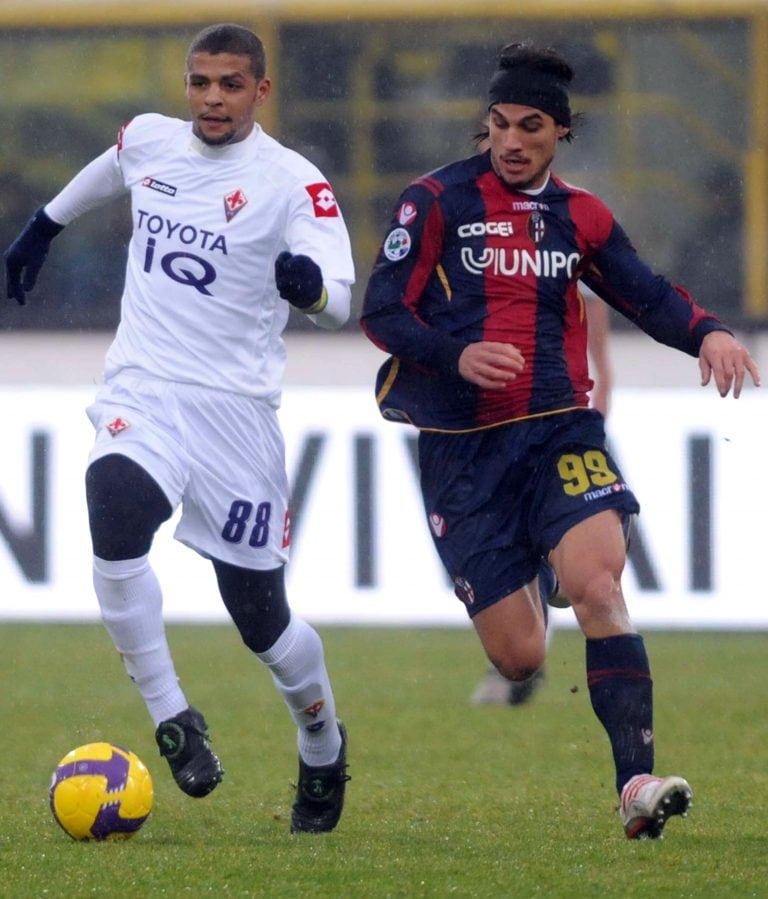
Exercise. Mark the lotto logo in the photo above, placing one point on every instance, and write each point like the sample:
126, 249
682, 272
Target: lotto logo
323, 200
159, 186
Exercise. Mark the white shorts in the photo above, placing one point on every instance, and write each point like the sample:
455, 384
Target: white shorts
220, 455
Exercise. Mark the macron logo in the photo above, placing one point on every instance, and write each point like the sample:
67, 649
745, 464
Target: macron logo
159, 185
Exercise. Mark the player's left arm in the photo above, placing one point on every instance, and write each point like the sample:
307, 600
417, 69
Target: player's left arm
669, 314
315, 272
300, 281
724, 358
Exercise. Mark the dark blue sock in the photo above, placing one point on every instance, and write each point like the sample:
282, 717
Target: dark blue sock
621, 691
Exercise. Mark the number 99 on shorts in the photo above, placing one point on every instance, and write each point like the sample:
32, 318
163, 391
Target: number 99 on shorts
581, 472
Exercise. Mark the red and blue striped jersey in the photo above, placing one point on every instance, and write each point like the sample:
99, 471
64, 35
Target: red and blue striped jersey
466, 258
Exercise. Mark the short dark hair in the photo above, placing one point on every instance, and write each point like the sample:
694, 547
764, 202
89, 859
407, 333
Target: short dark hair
229, 38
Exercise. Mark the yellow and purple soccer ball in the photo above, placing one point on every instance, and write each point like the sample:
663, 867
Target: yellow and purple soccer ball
101, 791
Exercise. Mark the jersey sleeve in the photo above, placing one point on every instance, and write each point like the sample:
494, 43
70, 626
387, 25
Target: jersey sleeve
94, 185
315, 227
667, 313
408, 256
109, 175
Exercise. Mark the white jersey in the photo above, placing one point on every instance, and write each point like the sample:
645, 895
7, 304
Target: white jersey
200, 305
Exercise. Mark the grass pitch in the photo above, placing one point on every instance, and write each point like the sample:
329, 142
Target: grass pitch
445, 800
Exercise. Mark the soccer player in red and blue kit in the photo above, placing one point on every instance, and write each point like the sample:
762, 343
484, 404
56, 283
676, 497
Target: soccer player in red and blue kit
474, 296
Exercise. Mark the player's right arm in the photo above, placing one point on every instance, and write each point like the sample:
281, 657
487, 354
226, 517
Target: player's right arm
100, 181
490, 365
94, 185
408, 257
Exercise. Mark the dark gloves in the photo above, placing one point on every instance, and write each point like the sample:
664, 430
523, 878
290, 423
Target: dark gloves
26, 255
300, 281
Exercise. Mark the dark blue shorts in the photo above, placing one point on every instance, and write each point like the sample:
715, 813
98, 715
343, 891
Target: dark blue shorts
498, 500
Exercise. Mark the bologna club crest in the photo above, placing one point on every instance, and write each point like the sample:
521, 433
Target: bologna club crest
536, 227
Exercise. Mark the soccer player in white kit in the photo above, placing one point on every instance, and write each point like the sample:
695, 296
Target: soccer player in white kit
229, 228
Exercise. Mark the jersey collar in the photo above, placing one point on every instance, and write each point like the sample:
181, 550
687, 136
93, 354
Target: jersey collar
228, 151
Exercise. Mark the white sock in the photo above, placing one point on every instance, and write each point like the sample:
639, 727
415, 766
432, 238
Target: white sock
131, 604
298, 669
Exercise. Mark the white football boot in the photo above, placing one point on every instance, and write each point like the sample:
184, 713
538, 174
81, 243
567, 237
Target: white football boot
647, 802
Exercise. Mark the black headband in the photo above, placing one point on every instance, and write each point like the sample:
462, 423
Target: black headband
529, 86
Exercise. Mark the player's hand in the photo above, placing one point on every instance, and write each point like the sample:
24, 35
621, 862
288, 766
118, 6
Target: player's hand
724, 357
26, 255
300, 281
491, 365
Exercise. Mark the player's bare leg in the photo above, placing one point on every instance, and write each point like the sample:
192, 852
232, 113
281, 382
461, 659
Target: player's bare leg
495, 688
589, 561
512, 632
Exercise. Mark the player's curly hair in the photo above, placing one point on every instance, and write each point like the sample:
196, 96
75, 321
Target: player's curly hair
230, 38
